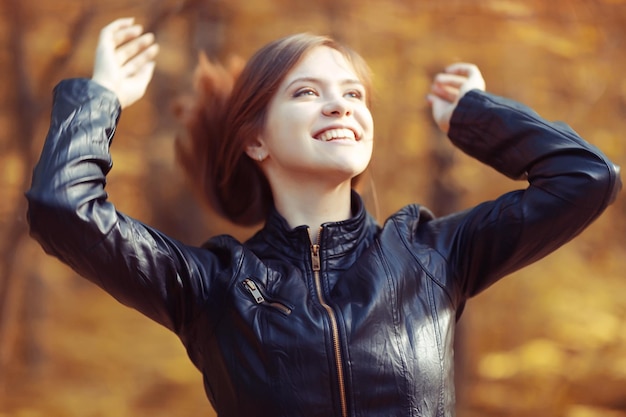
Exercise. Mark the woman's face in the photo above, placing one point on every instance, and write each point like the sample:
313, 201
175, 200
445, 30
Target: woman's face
318, 125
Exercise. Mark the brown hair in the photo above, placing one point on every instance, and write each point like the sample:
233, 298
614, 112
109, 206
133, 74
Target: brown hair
229, 111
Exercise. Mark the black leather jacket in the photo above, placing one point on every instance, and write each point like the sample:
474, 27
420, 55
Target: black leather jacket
360, 323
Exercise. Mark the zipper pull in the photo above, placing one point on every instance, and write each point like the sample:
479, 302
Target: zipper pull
258, 297
251, 286
315, 257
315, 250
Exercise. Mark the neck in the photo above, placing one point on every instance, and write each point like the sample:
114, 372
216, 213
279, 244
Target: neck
313, 205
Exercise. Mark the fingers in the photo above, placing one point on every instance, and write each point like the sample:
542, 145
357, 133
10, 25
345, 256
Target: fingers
447, 86
473, 77
125, 59
441, 110
125, 38
142, 55
125, 33
137, 51
114, 33
451, 84
447, 89
449, 80
119, 24
446, 93
462, 68
129, 48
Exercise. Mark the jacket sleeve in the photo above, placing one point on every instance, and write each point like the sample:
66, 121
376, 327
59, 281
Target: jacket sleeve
70, 216
570, 184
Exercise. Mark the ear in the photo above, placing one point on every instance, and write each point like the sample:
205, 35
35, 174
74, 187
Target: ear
256, 150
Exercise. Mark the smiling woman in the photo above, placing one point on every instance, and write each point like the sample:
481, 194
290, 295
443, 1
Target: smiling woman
323, 312
318, 135
224, 128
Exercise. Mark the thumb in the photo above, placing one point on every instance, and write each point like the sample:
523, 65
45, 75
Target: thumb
441, 111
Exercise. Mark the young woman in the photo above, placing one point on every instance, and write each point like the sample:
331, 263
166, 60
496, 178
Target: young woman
323, 312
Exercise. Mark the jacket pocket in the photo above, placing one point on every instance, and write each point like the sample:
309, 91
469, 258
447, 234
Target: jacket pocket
254, 290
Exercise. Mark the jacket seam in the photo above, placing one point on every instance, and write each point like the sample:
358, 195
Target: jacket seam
416, 258
230, 290
396, 316
434, 314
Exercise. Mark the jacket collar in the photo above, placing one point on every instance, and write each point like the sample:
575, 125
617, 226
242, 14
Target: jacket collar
337, 239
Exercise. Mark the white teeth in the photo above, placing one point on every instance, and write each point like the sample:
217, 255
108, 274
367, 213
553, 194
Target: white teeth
331, 134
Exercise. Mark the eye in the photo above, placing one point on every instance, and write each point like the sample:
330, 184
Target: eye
356, 94
306, 91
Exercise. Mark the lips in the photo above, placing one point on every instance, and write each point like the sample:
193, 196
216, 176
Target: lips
336, 133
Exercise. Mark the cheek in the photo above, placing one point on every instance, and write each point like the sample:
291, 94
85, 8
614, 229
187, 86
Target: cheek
282, 121
366, 120
274, 127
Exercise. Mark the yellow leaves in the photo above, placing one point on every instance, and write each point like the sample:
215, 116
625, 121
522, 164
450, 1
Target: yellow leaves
589, 329
173, 60
510, 8
62, 46
101, 359
618, 369
560, 43
588, 411
24, 412
412, 139
622, 89
11, 171
498, 365
538, 357
541, 356
567, 347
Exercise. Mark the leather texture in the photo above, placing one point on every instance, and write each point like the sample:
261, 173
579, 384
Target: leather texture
369, 334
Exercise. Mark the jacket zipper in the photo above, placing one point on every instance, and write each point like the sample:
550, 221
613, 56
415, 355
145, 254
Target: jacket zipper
260, 299
316, 265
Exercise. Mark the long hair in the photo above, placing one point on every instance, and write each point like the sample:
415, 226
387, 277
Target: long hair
228, 112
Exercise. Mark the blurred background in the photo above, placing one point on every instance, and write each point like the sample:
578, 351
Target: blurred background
547, 341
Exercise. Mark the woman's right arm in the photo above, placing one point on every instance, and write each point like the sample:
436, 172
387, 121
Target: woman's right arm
69, 213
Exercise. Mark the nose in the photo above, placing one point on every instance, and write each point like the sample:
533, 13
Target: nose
337, 107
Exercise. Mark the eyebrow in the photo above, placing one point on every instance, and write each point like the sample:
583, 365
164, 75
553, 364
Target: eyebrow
345, 81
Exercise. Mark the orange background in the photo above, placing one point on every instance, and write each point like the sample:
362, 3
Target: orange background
548, 341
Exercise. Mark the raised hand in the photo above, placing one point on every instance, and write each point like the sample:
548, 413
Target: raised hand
448, 87
124, 61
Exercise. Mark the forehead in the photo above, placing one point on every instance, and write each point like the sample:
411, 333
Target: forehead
322, 62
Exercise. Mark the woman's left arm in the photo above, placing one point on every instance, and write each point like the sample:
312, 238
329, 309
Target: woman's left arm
570, 182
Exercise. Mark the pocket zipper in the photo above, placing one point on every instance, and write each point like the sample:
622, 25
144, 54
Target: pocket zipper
253, 289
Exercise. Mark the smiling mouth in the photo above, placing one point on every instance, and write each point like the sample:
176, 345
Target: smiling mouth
333, 134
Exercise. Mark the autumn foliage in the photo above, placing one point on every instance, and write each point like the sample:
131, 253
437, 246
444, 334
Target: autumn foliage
548, 341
